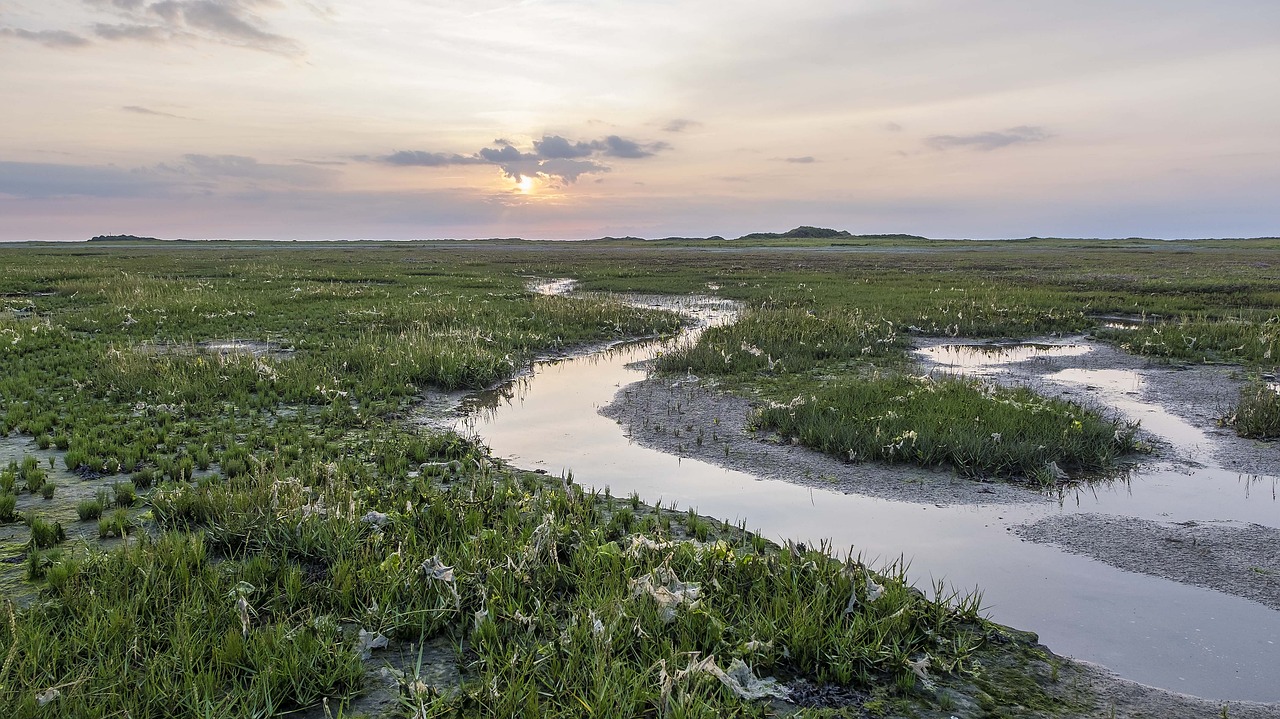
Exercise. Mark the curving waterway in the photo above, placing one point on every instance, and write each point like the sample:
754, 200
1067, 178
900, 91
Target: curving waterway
1155, 631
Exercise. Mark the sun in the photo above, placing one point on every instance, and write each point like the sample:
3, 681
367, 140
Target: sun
526, 184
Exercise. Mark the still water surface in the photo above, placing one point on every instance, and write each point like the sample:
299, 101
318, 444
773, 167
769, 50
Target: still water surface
1152, 630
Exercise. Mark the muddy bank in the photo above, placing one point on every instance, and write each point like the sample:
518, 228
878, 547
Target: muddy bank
1115, 697
681, 416
1236, 558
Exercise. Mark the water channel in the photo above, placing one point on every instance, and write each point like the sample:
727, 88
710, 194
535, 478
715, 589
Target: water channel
1155, 631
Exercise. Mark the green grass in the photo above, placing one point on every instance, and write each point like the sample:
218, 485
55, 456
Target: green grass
89, 509
535, 565
1257, 414
976, 428
249, 570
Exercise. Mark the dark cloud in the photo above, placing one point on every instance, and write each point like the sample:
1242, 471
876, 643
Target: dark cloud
554, 158
556, 147
48, 38
568, 171
680, 125
418, 158
615, 146
805, 160
987, 141
506, 153
139, 110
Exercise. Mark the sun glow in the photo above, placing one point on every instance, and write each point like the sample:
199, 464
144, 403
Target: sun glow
526, 184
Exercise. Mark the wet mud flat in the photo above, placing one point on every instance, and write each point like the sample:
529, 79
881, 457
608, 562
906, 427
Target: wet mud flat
1081, 688
1180, 406
1239, 559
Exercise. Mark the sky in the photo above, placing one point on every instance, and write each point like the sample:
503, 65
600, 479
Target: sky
565, 119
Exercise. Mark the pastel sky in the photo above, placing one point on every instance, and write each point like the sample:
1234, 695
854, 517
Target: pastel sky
319, 119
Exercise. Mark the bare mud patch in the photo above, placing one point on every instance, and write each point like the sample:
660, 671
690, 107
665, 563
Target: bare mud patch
1232, 557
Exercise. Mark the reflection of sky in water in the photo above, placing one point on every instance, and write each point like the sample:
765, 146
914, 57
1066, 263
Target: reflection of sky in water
1155, 631
980, 358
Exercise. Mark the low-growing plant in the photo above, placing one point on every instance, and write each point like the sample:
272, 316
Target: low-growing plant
47, 490
8, 505
89, 509
32, 474
1257, 413
143, 478
45, 534
1005, 432
117, 525
123, 494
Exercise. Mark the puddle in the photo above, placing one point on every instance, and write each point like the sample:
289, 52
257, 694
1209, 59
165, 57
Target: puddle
1151, 630
977, 358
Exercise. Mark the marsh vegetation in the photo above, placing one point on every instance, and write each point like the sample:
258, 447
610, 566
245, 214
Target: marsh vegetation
270, 518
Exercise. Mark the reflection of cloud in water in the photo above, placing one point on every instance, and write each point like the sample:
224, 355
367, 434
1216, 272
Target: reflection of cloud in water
978, 358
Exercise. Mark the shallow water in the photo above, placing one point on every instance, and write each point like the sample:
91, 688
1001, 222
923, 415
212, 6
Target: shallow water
1155, 631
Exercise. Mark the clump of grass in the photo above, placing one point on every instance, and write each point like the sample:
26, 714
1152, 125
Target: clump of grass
788, 339
89, 509
31, 474
47, 490
143, 478
117, 525
123, 494
45, 534
8, 504
1257, 414
977, 428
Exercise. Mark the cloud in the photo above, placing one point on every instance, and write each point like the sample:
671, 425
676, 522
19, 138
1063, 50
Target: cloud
806, 160
568, 170
680, 125
504, 153
248, 168
193, 174
556, 159
44, 180
556, 147
48, 38
615, 146
418, 158
139, 110
231, 22
987, 141
127, 31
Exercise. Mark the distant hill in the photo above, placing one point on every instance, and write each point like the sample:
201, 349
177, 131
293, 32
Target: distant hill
123, 238
805, 232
